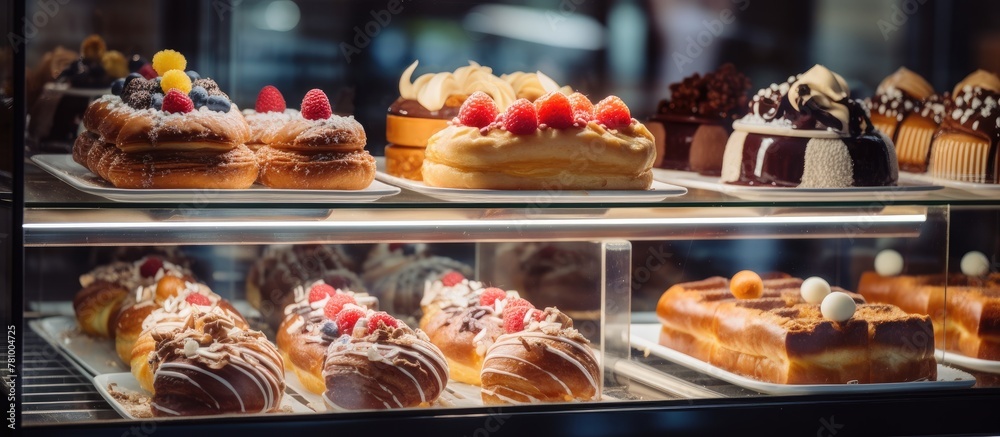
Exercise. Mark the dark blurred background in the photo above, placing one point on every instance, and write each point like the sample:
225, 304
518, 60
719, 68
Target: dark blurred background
634, 49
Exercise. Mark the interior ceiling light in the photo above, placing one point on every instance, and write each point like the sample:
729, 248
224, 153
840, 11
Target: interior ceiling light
553, 27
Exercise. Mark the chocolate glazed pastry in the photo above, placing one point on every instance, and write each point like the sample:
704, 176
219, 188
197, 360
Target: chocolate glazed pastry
212, 367
388, 367
965, 148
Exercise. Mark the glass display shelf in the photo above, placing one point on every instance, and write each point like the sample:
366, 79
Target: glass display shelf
43, 190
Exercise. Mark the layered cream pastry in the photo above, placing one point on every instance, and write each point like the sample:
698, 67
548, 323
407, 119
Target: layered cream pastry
965, 147
808, 132
426, 105
166, 133
906, 108
556, 143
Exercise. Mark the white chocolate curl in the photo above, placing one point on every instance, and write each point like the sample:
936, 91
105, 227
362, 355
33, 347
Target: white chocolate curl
432, 90
826, 89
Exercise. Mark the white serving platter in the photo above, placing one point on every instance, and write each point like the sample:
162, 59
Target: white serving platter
988, 190
657, 192
95, 355
646, 336
65, 169
908, 189
978, 364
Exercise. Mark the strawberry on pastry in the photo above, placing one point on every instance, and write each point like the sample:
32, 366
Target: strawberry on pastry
316, 149
557, 143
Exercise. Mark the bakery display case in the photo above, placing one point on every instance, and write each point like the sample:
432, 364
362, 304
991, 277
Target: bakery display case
704, 217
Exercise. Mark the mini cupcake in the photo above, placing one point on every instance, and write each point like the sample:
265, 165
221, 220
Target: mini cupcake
906, 108
965, 147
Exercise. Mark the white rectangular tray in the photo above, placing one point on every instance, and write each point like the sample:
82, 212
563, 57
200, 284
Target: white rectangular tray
657, 192
907, 189
95, 355
125, 382
957, 359
65, 169
646, 336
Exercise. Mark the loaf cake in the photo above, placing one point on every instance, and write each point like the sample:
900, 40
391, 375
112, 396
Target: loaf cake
966, 313
780, 338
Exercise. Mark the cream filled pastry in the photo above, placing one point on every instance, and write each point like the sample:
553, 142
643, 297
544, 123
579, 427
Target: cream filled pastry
212, 366
906, 108
175, 131
317, 150
310, 324
556, 143
809, 133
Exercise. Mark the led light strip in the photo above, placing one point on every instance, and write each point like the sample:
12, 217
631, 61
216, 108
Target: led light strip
429, 224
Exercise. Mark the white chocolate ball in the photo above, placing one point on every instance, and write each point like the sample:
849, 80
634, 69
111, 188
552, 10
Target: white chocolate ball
814, 289
975, 264
838, 306
889, 263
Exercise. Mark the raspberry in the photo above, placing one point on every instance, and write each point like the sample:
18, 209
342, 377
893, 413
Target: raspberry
197, 299
320, 292
150, 266
347, 318
382, 318
166, 60
554, 110
521, 118
176, 101
583, 110
315, 105
479, 110
613, 113
513, 318
147, 71
491, 295
175, 79
452, 279
336, 304
269, 99
516, 303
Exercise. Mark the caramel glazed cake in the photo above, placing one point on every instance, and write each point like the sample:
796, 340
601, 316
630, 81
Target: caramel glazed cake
779, 338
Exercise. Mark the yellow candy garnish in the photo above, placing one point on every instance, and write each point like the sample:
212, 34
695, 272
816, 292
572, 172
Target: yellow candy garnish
175, 79
166, 60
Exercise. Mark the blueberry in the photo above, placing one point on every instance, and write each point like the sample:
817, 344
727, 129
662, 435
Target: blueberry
193, 75
330, 330
117, 86
198, 96
130, 77
218, 103
156, 102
